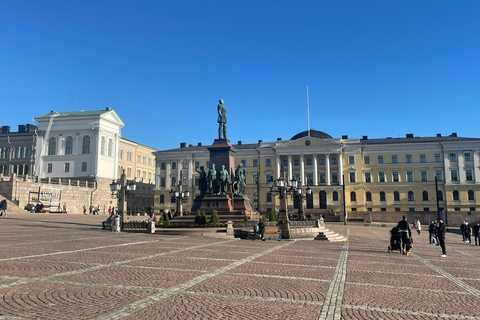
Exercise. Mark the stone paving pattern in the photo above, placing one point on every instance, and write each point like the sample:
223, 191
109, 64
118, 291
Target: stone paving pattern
55, 266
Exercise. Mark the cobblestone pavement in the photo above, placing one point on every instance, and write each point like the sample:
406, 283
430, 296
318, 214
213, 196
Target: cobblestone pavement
56, 266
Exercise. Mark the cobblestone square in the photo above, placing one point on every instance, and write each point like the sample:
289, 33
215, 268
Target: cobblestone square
55, 266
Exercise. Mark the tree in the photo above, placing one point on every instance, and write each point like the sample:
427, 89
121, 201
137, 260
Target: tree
214, 217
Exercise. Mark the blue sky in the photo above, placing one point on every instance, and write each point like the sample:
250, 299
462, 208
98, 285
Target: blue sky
376, 68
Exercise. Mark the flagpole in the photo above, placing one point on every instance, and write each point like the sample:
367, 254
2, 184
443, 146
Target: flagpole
308, 114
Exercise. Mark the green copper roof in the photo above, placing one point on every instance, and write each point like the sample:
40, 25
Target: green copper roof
74, 114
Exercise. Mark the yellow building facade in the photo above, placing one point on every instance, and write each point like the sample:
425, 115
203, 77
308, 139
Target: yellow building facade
383, 178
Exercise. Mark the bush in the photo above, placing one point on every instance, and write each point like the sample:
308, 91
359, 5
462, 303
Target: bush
198, 217
203, 220
264, 217
214, 217
166, 222
246, 218
273, 215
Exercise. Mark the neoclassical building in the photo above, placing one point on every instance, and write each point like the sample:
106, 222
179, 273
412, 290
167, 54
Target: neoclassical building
381, 175
17, 150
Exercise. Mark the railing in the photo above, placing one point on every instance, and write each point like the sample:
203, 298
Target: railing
135, 225
293, 224
304, 224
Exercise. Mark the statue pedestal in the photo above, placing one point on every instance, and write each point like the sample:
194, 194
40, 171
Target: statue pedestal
221, 153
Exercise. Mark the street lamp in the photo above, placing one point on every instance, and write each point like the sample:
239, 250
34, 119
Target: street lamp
179, 196
121, 190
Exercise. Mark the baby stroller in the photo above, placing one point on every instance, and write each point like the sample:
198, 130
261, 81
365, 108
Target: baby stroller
395, 241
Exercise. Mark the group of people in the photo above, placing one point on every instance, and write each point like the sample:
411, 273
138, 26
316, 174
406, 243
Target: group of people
436, 231
467, 232
91, 210
3, 208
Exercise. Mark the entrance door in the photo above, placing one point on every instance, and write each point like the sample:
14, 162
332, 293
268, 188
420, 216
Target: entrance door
310, 201
323, 200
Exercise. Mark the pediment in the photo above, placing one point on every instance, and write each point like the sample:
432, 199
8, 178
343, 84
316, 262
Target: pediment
113, 117
310, 143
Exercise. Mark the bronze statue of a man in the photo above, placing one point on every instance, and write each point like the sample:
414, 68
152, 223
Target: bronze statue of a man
241, 181
224, 180
222, 120
202, 182
212, 179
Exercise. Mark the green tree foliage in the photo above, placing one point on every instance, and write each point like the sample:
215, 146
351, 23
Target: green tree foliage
273, 215
214, 217
203, 219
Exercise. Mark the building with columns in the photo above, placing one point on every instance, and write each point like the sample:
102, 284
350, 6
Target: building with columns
381, 175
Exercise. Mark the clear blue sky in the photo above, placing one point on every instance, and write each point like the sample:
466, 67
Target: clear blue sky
376, 68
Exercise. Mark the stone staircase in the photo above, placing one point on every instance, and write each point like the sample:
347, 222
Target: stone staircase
331, 236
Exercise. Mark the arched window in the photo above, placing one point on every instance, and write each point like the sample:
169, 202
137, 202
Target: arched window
456, 196
162, 198
353, 196
102, 146
69, 145
440, 195
471, 195
425, 195
110, 147
86, 145
382, 196
269, 197
335, 196
411, 197
368, 196
396, 196
52, 146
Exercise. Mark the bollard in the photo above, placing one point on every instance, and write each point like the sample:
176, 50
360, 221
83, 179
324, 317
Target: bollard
230, 231
116, 224
152, 226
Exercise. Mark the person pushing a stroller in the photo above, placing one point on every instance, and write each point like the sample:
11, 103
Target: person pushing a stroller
405, 235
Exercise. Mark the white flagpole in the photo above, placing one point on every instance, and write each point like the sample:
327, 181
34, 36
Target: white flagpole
308, 113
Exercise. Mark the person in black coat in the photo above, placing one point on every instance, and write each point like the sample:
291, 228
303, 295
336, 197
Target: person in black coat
476, 230
441, 236
405, 234
261, 229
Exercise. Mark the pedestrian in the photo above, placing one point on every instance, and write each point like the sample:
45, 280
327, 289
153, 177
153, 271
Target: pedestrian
84, 209
476, 229
432, 230
4, 207
405, 235
261, 229
109, 210
441, 236
64, 207
1, 208
468, 233
90, 209
418, 226
462, 230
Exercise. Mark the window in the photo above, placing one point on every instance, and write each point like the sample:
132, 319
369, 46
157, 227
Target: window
296, 176
411, 209
352, 176
321, 161
456, 196
129, 155
149, 161
285, 162
468, 175
162, 198
335, 196
381, 177
49, 168
144, 160
173, 181
438, 174
174, 165
437, 157
244, 163
471, 195
255, 178
139, 159
195, 180
334, 160
309, 161
269, 197
52, 146
456, 209
28, 152
102, 146
440, 195
368, 177
353, 196
425, 195
426, 209
84, 167
380, 159
17, 152
411, 196
322, 178
423, 158
162, 181
453, 174
408, 158
351, 160
453, 157
129, 172
382, 196
394, 159
268, 162
366, 159
409, 176
69, 145
395, 176
67, 167
138, 174
110, 148
121, 155
309, 179
86, 145
368, 196
468, 157
162, 165
296, 161
185, 165
354, 209
423, 175
255, 163
396, 196
334, 177
268, 177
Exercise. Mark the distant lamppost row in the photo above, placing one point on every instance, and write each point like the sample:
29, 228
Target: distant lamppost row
179, 196
121, 190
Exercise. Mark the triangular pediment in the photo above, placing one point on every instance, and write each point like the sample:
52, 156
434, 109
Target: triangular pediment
113, 117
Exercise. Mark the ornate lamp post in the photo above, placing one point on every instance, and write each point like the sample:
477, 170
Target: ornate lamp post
179, 196
121, 189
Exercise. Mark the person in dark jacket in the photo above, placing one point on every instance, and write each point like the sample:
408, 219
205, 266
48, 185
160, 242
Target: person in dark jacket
468, 233
462, 230
405, 234
4, 207
261, 229
432, 231
441, 236
476, 230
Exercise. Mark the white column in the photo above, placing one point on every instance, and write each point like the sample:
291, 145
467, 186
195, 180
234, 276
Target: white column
278, 167
315, 170
190, 174
179, 169
340, 167
476, 167
290, 171
327, 168
302, 170
167, 176
461, 173
446, 166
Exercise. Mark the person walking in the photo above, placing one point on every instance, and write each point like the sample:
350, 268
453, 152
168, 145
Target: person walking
418, 226
405, 235
432, 229
4, 208
261, 229
1, 208
462, 230
468, 233
476, 229
84, 209
64, 207
441, 236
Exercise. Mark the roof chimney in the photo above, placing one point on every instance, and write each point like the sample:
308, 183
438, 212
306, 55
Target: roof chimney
183, 144
5, 129
260, 141
279, 139
239, 142
199, 144
22, 128
409, 135
454, 134
344, 137
364, 137
439, 135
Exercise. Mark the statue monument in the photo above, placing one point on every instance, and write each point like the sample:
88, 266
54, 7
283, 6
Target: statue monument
222, 120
